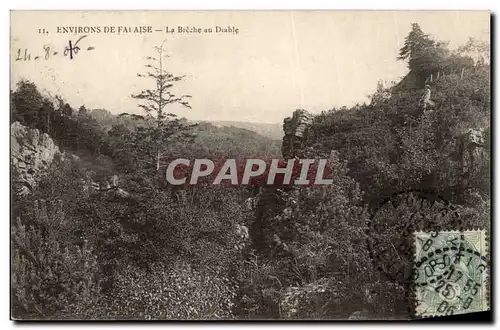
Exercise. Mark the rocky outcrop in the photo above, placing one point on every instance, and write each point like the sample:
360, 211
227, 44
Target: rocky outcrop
475, 137
108, 185
470, 150
295, 129
266, 205
242, 236
32, 153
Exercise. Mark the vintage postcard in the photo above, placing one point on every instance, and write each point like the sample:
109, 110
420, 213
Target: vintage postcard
250, 165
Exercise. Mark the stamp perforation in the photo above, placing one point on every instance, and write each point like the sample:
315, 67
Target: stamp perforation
460, 256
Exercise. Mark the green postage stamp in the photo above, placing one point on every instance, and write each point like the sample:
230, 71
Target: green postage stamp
451, 273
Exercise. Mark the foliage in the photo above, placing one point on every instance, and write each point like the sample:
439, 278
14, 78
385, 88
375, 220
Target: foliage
428, 56
140, 149
227, 142
73, 130
155, 101
51, 278
144, 145
389, 145
321, 266
27, 101
176, 293
420, 51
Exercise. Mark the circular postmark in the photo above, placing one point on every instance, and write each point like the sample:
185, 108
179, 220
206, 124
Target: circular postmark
450, 272
392, 226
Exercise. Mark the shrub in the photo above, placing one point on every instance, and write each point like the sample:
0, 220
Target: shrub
176, 293
51, 278
321, 267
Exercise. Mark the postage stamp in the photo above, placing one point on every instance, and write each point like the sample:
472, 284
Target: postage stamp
450, 273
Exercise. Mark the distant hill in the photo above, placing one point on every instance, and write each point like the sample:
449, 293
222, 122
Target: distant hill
229, 141
274, 131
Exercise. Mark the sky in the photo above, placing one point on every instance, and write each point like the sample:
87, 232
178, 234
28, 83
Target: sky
278, 61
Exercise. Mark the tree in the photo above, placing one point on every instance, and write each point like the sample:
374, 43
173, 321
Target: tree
47, 114
415, 43
479, 50
31, 108
424, 54
14, 114
28, 101
82, 111
67, 110
382, 94
154, 101
158, 127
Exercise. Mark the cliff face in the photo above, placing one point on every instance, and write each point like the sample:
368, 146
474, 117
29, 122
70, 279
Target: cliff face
266, 206
32, 153
295, 129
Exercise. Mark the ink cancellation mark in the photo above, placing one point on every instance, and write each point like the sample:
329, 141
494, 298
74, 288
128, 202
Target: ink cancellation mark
450, 273
392, 225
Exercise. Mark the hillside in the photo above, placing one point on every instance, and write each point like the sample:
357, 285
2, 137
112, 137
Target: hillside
274, 131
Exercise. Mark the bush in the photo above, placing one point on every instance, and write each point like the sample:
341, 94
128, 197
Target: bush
176, 293
51, 278
321, 266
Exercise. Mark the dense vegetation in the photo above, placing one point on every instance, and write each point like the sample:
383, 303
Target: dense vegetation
154, 255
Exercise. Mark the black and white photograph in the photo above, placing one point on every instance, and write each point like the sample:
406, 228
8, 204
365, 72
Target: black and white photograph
278, 165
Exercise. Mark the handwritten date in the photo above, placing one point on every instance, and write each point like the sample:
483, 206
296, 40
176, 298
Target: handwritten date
70, 50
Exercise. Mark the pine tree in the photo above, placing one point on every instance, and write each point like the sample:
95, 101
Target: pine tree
425, 56
154, 101
415, 43
158, 126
